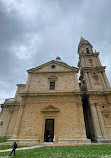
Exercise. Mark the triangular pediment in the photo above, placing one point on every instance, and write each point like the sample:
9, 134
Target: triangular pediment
50, 108
53, 66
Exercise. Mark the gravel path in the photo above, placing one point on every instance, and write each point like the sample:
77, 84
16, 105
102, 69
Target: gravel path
25, 148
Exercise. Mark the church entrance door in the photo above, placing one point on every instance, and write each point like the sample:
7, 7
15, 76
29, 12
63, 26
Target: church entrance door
49, 130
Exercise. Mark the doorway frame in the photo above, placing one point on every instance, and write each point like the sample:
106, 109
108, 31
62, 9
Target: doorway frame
43, 127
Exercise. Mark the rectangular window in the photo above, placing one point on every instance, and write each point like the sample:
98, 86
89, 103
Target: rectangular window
52, 85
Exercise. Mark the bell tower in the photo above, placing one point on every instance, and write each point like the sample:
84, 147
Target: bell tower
92, 73
96, 96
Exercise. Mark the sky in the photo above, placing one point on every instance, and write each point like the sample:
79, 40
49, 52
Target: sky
33, 32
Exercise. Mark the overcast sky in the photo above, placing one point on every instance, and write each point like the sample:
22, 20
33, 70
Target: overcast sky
33, 32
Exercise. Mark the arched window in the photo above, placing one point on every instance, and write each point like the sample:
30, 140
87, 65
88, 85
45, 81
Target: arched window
87, 50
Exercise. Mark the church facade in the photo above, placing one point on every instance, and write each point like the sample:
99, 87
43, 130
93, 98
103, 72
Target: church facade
54, 107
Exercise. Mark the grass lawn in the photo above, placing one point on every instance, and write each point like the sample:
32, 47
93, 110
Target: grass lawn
97, 151
3, 140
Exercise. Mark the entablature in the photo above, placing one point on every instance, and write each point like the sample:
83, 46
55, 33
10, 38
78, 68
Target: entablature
50, 93
44, 72
89, 54
16, 103
90, 69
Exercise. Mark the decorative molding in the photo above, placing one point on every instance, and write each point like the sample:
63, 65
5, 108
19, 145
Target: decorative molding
90, 54
93, 69
50, 93
11, 104
52, 78
50, 108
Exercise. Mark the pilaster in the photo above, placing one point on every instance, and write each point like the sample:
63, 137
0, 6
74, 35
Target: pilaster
20, 113
81, 120
96, 124
9, 111
101, 122
10, 114
89, 80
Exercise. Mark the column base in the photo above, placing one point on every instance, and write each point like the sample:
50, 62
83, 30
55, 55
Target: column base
103, 140
65, 141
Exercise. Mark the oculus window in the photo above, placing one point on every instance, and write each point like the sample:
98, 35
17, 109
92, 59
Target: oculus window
52, 66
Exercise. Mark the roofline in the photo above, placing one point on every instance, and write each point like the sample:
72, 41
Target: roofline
63, 64
21, 85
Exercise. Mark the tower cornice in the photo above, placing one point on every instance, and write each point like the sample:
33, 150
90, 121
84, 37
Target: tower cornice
89, 69
90, 54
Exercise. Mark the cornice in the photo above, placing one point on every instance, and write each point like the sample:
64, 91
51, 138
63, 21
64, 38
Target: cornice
105, 92
88, 69
10, 104
88, 54
50, 93
21, 85
44, 72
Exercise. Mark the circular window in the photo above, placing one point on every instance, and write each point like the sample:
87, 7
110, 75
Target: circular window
53, 66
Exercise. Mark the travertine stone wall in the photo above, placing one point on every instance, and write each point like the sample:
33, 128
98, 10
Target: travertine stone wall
41, 81
5, 116
8, 117
12, 122
89, 60
94, 80
69, 122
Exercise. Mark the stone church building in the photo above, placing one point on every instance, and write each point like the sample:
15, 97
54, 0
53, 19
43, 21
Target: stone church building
53, 106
